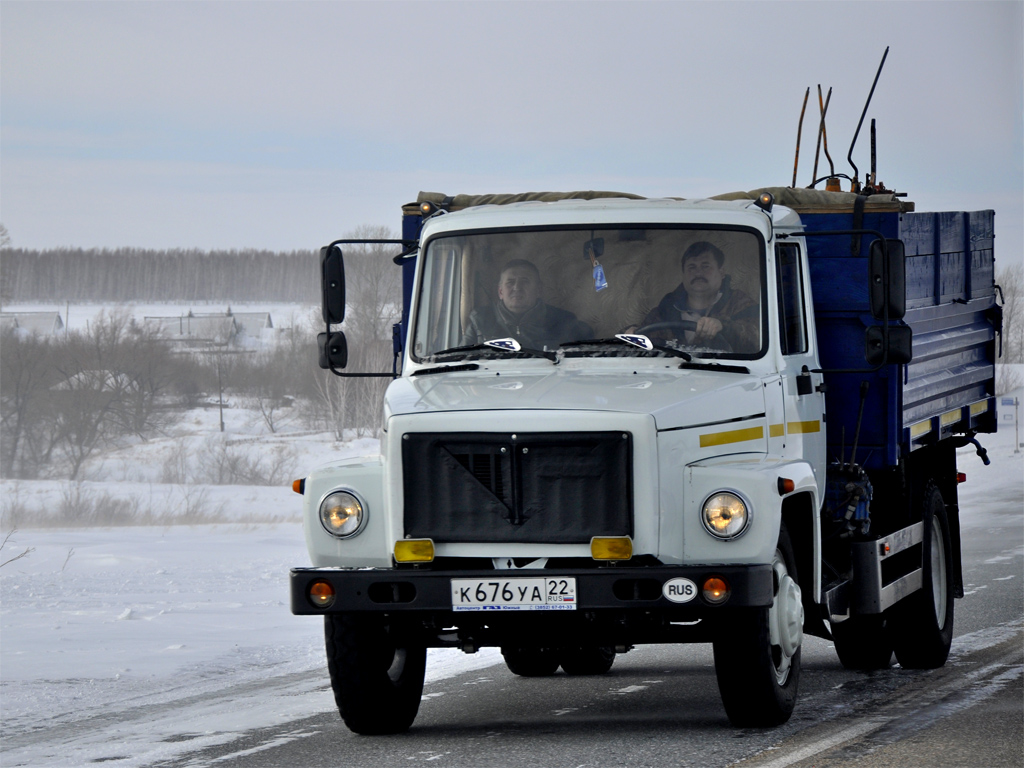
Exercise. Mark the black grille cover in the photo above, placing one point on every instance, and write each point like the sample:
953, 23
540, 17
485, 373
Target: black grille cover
557, 487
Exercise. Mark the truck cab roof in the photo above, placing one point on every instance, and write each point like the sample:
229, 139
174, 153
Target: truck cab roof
605, 206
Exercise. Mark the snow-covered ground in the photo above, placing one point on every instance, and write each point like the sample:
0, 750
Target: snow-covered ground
111, 638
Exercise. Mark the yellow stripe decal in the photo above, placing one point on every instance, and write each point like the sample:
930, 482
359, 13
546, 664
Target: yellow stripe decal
804, 426
776, 430
921, 428
977, 408
732, 436
949, 417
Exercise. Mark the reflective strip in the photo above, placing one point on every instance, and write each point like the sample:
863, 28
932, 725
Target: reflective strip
949, 417
795, 427
921, 428
977, 408
732, 436
776, 430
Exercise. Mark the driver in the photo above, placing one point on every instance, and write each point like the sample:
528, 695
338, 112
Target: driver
521, 313
724, 317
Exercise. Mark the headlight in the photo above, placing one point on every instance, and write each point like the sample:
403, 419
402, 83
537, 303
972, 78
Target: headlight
725, 515
342, 514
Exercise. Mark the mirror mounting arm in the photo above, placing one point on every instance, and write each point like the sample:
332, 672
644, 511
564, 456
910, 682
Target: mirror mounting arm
332, 344
885, 300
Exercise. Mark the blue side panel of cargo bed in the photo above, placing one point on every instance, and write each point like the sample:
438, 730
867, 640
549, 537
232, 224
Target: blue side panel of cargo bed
949, 306
949, 298
842, 313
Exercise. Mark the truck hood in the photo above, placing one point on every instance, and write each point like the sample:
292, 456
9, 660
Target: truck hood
678, 399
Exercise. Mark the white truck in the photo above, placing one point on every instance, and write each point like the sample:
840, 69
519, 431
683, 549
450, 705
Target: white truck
608, 467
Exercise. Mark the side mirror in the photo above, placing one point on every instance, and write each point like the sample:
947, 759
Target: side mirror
333, 349
900, 346
332, 282
887, 279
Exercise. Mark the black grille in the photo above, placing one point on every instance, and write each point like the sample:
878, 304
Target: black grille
533, 487
486, 468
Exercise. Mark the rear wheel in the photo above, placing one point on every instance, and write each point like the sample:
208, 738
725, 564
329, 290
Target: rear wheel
589, 660
377, 679
922, 624
530, 662
757, 655
863, 643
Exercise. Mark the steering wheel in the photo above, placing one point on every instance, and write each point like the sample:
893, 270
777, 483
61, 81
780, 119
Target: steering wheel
682, 325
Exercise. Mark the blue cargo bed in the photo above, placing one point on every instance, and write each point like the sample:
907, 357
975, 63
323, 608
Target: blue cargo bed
948, 387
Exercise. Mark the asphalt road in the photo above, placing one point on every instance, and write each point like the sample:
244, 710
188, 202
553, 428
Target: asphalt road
659, 706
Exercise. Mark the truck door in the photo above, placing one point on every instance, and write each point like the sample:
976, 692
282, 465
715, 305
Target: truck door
804, 403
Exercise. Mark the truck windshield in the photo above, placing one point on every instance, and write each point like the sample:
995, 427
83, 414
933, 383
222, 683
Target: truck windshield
697, 290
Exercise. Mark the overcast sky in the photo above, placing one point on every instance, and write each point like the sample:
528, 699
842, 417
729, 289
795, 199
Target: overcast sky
283, 125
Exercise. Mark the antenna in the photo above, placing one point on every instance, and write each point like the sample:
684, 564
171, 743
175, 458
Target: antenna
822, 136
796, 160
849, 157
874, 172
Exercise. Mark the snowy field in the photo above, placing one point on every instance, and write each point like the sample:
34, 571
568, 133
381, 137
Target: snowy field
113, 640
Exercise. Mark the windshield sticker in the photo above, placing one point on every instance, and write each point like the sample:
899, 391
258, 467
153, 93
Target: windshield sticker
509, 344
636, 339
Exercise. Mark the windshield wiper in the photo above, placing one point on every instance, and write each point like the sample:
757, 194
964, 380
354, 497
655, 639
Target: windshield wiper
501, 346
631, 340
445, 369
724, 368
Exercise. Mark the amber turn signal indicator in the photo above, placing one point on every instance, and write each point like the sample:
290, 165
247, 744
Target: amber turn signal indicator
786, 486
321, 594
716, 590
299, 486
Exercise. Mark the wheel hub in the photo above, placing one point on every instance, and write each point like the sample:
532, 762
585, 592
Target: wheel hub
790, 616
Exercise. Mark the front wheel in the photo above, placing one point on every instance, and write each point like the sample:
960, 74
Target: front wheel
757, 653
922, 624
377, 678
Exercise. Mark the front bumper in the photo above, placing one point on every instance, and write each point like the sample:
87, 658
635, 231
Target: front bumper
607, 589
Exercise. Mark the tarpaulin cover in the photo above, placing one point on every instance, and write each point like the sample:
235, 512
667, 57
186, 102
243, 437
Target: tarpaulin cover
800, 199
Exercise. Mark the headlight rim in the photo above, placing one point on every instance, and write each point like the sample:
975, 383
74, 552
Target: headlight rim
362, 520
746, 504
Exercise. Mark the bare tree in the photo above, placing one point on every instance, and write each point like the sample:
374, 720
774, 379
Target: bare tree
1011, 282
375, 305
110, 379
25, 378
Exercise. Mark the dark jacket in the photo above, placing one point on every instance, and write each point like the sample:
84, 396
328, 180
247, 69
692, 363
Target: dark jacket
739, 314
541, 326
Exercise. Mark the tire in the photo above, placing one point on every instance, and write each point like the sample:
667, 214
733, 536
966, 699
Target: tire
757, 653
590, 660
863, 643
922, 624
377, 681
530, 662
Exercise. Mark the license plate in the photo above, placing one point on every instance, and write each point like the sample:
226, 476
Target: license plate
525, 594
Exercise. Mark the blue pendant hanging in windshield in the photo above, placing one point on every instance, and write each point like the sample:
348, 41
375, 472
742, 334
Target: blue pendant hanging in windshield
593, 248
